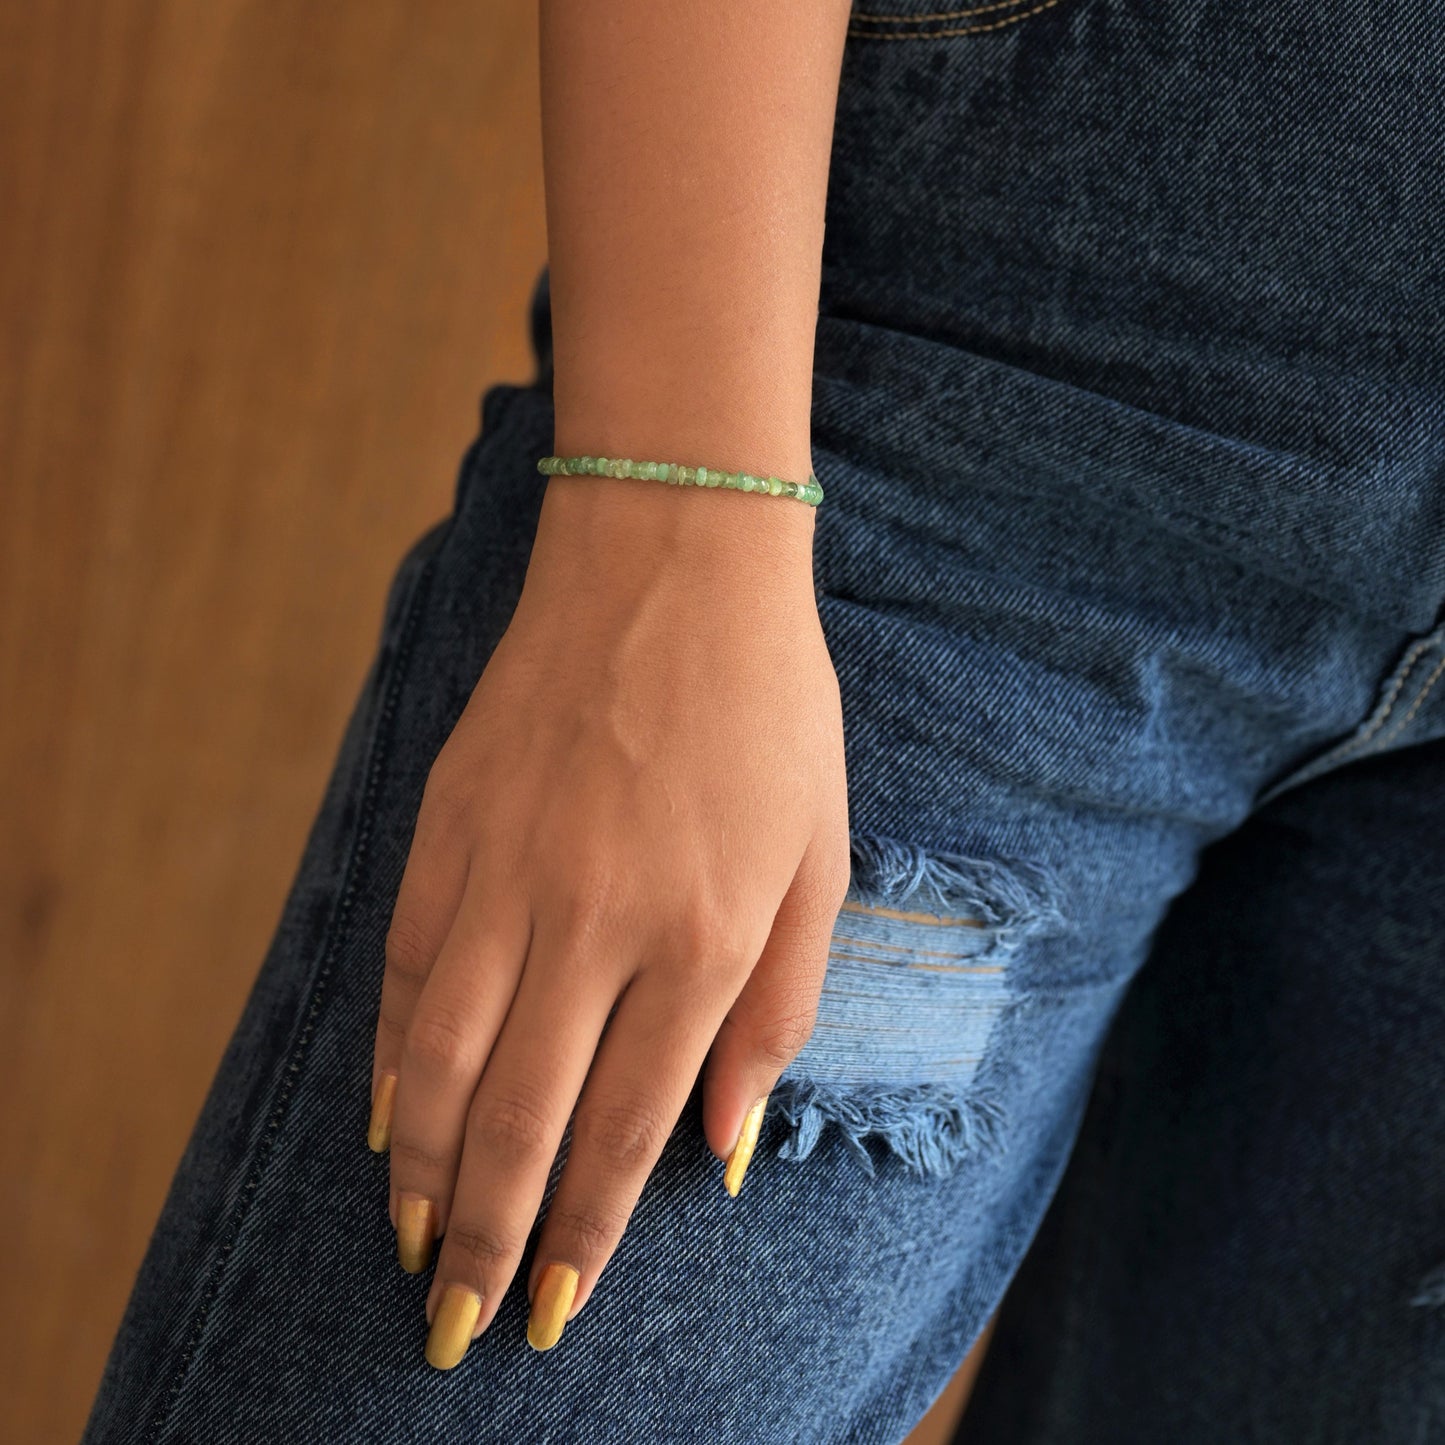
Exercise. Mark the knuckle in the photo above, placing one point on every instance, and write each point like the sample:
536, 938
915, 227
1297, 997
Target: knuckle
510, 1126
390, 1025
418, 1159
593, 1229
589, 909
627, 1132
408, 952
437, 1043
446, 797
485, 1247
709, 941
780, 1039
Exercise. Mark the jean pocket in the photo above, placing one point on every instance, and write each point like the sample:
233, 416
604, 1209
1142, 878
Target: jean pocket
926, 20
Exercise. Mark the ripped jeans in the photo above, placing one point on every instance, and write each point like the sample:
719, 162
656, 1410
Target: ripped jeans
1129, 403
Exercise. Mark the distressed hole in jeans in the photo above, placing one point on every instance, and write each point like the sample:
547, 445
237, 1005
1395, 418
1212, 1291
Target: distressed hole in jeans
918, 977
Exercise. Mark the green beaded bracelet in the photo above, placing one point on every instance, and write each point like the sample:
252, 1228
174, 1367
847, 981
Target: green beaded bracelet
810, 491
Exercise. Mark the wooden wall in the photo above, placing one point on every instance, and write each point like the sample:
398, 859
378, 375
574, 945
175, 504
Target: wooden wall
258, 262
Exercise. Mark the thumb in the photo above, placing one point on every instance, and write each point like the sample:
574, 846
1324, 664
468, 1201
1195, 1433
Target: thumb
773, 1017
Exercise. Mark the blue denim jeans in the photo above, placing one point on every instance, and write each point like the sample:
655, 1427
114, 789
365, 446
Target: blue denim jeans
1129, 402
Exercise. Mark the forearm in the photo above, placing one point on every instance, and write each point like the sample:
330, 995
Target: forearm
686, 150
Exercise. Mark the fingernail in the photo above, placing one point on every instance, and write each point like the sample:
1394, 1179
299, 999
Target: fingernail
556, 1290
378, 1134
415, 1230
451, 1330
743, 1150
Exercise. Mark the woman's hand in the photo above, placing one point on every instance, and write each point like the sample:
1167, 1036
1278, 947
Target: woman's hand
644, 806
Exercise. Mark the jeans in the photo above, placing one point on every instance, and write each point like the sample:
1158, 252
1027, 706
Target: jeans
1129, 404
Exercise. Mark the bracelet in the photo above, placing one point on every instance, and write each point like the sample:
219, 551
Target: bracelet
810, 491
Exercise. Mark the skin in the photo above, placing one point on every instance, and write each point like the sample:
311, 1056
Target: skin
644, 802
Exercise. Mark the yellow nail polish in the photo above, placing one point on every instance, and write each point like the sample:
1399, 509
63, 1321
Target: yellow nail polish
452, 1326
378, 1134
743, 1150
415, 1231
556, 1290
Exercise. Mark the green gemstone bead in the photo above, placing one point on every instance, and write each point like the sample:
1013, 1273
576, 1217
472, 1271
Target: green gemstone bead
686, 474
702, 476
774, 485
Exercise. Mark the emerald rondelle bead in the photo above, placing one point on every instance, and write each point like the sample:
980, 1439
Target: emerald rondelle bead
702, 476
687, 474
774, 485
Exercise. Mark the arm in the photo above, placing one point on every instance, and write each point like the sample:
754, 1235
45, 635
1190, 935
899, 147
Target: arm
686, 153
633, 846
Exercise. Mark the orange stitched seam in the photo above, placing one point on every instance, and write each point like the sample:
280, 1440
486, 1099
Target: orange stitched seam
906, 963
933, 918
899, 947
962, 30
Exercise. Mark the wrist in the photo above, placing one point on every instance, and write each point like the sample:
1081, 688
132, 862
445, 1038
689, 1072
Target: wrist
590, 524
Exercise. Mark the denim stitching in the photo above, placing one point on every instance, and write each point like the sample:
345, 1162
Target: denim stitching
882, 19
1360, 744
411, 610
1420, 697
961, 30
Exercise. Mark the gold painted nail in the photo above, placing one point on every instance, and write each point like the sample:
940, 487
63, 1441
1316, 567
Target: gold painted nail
378, 1134
556, 1290
743, 1150
415, 1230
451, 1328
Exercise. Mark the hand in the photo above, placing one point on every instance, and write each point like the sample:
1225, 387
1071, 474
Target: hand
644, 806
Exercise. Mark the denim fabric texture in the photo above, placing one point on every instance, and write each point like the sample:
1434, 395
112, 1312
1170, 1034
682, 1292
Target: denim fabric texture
1129, 404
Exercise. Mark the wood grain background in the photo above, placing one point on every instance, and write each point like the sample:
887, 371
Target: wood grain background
257, 264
